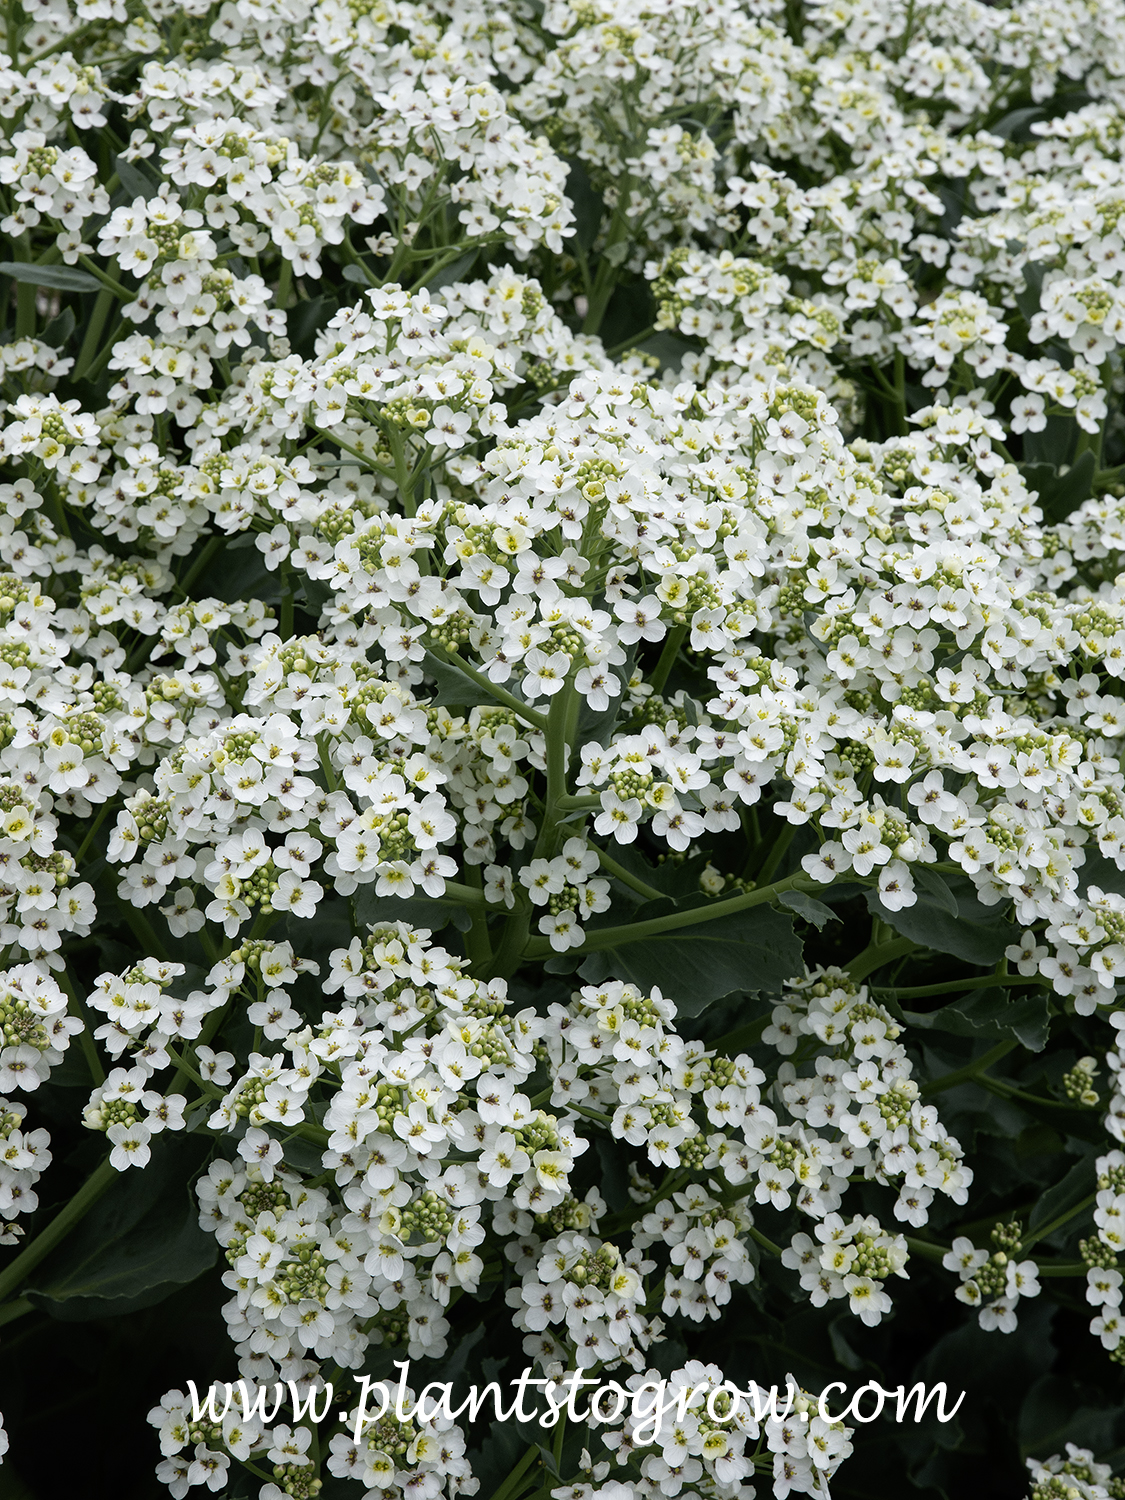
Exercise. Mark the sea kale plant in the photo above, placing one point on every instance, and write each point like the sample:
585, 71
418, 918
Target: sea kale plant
562, 698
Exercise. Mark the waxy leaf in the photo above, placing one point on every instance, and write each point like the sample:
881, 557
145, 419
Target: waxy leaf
756, 950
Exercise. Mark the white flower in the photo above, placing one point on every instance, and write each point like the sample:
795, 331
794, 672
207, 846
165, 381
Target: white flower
130, 1145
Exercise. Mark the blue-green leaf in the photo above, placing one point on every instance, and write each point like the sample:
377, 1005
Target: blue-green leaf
808, 907
1079, 1183
137, 1245
756, 950
59, 278
977, 933
991, 1013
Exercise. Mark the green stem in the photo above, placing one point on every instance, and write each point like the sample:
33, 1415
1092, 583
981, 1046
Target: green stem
955, 986
59, 1227
285, 284
142, 930
970, 1070
926, 1249
766, 1244
102, 358
325, 751
522, 710
631, 342
64, 41
510, 1484
612, 937
560, 1435
592, 1114
255, 1469
200, 563
609, 268
1009, 1091
467, 895
91, 339
210, 1027
513, 941
877, 954
90, 835
478, 945
26, 310
121, 292
672, 644
1058, 1221
183, 1066
607, 862
562, 721
674, 1180
900, 392
147, 646
285, 626
86, 1036
15, 1310
773, 858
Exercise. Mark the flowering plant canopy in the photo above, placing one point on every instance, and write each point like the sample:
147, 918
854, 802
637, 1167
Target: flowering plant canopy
562, 695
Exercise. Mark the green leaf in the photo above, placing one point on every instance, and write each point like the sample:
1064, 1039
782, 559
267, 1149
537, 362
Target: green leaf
300, 1154
935, 887
838, 1331
991, 1013
669, 348
1049, 1419
756, 950
1079, 1183
136, 181
419, 911
977, 933
1054, 444
60, 278
137, 1245
1099, 871
59, 329
668, 879
1015, 126
562, 963
808, 907
1028, 300
304, 321
454, 689
588, 207
317, 937
613, 1173
547, 1459
1061, 491
458, 271
239, 572
313, 594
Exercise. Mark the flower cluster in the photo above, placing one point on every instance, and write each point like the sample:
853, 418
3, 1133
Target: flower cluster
24, 1158
993, 1282
703, 1438
1078, 1474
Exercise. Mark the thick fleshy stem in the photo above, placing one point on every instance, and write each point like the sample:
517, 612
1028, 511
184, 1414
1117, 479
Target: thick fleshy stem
99, 1180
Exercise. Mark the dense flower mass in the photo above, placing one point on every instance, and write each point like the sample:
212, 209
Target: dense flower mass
562, 568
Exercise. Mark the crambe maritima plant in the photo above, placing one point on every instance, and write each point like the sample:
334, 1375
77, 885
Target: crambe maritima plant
562, 692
